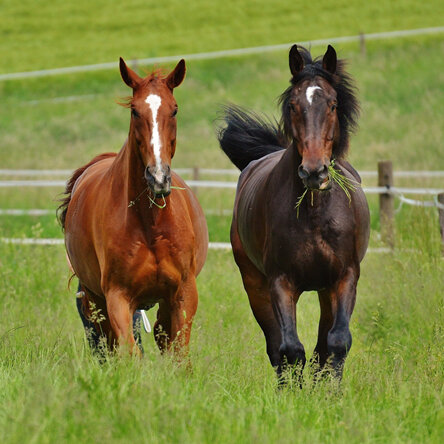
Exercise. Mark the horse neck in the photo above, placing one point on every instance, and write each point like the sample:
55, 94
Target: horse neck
129, 180
287, 168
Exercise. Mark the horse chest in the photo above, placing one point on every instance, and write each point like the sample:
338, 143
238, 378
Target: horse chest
150, 271
308, 256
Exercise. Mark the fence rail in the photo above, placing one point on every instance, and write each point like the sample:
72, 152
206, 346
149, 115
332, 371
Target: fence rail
386, 190
229, 185
211, 245
215, 172
225, 53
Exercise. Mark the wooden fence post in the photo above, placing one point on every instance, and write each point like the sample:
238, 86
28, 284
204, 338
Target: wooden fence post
441, 220
386, 203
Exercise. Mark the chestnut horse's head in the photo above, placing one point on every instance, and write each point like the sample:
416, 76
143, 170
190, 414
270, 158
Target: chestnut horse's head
153, 123
318, 111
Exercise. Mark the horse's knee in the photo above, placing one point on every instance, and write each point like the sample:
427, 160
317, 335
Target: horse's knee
292, 353
339, 343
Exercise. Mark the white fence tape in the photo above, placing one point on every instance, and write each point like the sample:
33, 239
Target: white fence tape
421, 203
39, 212
27, 173
68, 173
211, 245
19, 212
225, 53
59, 241
231, 185
31, 183
215, 172
402, 190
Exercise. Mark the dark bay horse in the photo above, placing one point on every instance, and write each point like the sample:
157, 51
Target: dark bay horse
131, 241
279, 250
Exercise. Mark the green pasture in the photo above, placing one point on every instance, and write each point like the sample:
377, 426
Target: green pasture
53, 390
63, 121
57, 33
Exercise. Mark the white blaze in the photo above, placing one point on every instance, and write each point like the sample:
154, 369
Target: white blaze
310, 91
154, 101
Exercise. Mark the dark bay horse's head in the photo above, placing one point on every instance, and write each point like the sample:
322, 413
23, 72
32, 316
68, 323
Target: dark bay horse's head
318, 110
153, 123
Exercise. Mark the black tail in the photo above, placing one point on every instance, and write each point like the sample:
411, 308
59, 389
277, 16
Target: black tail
248, 136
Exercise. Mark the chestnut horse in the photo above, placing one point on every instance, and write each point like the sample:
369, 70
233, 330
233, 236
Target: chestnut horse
131, 243
282, 251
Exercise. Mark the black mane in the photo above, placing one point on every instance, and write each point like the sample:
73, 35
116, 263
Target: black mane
348, 105
248, 136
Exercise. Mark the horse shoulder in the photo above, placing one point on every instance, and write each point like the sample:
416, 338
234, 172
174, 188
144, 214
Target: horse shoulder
190, 221
346, 167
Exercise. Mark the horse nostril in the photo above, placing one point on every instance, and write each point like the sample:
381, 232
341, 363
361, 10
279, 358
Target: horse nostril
322, 172
302, 172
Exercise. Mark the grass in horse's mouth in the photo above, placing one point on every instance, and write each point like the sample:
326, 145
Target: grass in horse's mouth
344, 182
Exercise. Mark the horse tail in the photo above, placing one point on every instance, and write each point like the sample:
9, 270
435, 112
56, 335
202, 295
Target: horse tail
248, 136
63, 207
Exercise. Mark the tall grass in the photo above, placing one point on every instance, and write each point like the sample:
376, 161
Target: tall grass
52, 390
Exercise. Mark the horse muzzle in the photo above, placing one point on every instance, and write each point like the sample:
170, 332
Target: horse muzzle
315, 178
159, 180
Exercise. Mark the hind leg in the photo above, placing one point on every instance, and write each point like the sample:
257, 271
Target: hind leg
93, 314
94, 332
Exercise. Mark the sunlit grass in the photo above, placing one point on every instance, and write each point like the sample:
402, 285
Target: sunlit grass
392, 386
53, 390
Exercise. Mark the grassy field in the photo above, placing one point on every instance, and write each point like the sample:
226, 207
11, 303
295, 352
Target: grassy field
63, 121
52, 390
61, 33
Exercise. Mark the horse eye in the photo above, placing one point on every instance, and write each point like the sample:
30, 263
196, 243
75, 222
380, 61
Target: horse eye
333, 107
174, 112
134, 113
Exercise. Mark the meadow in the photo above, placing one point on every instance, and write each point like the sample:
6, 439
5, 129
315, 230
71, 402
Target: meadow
53, 390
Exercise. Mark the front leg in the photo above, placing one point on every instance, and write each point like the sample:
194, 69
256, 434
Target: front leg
284, 298
334, 338
175, 317
120, 315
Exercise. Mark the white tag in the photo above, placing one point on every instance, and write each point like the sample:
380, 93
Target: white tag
146, 322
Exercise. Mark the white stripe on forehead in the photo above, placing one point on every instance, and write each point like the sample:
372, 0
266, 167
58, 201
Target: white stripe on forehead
310, 91
154, 101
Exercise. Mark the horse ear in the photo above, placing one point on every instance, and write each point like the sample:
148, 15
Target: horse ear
176, 76
296, 61
329, 60
128, 75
